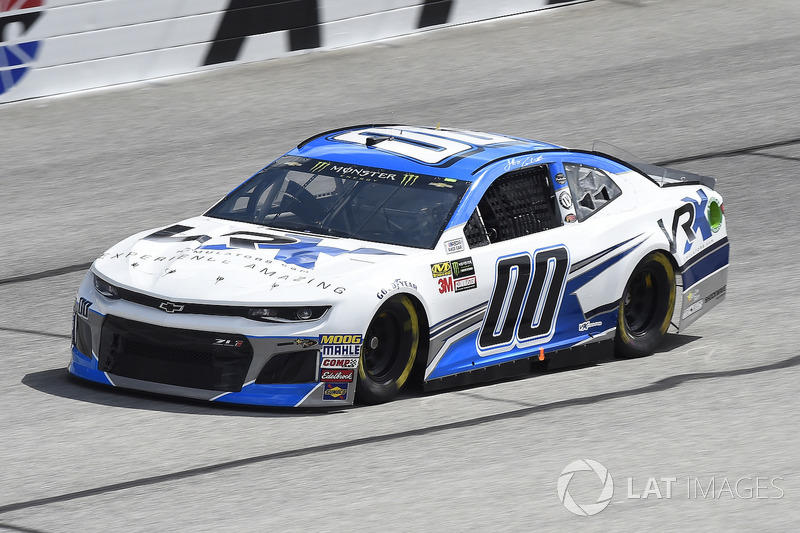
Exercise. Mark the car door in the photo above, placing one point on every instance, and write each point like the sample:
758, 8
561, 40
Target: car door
534, 259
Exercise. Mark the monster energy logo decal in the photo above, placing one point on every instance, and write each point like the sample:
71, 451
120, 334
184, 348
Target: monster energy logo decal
409, 179
319, 166
362, 173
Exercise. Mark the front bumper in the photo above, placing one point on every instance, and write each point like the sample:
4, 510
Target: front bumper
273, 395
217, 359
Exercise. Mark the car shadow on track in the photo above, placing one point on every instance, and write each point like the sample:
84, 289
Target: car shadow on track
58, 382
671, 341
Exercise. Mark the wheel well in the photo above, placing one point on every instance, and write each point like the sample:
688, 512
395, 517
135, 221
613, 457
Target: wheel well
676, 309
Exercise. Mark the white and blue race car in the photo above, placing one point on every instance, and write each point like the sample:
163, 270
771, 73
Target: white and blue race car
374, 257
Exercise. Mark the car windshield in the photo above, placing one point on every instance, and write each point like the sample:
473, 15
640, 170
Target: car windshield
344, 200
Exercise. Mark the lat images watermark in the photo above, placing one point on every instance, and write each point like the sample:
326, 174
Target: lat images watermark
655, 487
587, 509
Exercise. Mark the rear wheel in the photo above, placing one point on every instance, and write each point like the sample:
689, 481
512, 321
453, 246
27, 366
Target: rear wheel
646, 307
389, 351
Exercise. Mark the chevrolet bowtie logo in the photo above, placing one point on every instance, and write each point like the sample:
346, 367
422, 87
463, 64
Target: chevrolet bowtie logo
170, 307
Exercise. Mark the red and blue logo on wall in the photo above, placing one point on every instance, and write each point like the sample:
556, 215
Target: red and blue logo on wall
16, 52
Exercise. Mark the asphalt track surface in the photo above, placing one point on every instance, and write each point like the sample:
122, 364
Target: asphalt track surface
711, 87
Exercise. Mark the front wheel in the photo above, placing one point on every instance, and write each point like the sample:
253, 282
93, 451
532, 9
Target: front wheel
389, 351
646, 306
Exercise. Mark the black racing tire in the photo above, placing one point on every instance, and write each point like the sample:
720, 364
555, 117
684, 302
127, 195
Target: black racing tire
390, 348
646, 307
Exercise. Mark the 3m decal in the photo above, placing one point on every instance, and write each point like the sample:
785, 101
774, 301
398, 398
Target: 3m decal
16, 53
337, 376
525, 299
445, 284
335, 391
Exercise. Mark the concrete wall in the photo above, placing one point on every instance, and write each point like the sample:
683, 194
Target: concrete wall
58, 46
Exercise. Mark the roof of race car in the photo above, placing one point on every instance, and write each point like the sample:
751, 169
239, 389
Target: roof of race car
448, 153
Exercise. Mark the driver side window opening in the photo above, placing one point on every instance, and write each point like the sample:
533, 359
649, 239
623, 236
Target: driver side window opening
517, 204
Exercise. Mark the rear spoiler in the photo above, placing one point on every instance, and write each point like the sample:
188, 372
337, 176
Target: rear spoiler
666, 177
661, 176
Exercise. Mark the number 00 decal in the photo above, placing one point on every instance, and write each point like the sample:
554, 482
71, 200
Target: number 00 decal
525, 299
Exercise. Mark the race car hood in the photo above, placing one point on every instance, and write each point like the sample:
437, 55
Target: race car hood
204, 259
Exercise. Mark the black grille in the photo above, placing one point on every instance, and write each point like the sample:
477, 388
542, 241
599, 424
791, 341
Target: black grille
291, 367
197, 359
82, 335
